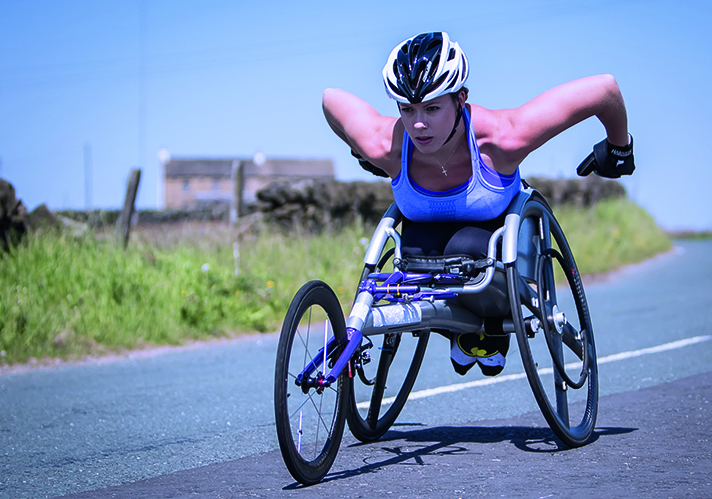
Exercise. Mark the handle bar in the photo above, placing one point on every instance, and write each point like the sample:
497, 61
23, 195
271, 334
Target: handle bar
587, 166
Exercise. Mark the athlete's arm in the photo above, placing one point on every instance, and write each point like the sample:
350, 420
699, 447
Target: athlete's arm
363, 128
528, 127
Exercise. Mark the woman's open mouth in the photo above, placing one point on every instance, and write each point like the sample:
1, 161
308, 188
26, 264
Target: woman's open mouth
423, 140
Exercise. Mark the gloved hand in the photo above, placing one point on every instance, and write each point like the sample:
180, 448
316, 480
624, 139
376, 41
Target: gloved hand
608, 160
368, 166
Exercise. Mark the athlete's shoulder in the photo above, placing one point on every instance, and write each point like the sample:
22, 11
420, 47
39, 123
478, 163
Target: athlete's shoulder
501, 146
486, 123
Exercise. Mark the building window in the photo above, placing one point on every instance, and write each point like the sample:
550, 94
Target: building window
216, 184
186, 184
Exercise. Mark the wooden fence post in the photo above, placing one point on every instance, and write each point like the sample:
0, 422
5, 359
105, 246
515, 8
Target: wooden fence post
238, 182
123, 224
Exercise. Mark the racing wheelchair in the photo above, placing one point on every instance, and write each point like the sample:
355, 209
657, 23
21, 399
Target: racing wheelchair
360, 370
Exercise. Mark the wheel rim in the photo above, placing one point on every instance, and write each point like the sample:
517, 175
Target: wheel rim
570, 412
310, 418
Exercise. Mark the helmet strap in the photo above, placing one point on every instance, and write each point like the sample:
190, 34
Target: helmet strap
458, 114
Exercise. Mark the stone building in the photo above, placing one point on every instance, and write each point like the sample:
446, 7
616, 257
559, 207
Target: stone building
198, 183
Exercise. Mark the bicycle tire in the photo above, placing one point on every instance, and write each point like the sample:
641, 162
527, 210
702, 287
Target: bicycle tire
567, 333
309, 425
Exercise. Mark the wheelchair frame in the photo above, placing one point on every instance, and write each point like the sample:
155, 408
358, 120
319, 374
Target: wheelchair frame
532, 245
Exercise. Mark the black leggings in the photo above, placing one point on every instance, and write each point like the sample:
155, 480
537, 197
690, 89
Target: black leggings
456, 238
470, 238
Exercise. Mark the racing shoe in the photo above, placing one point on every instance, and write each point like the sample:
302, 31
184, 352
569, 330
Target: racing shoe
489, 352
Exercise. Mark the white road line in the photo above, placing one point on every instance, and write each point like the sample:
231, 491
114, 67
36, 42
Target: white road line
660, 348
511, 377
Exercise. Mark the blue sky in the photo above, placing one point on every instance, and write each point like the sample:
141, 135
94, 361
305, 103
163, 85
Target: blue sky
229, 78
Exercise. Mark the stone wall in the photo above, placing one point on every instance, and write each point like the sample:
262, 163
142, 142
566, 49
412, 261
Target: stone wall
580, 192
312, 205
13, 216
318, 205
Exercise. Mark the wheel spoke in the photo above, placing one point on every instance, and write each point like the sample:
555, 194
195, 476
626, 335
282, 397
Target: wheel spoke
301, 406
319, 412
319, 419
326, 332
562, 400
305, 343
574, 339
299, 432
528, 296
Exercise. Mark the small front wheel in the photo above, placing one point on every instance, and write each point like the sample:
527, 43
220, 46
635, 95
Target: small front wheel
310, 418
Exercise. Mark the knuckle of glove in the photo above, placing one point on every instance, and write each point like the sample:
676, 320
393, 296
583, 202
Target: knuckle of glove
613, 161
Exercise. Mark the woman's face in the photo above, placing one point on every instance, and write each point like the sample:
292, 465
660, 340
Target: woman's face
429, 123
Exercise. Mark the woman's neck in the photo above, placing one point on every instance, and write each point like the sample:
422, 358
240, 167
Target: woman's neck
447, 168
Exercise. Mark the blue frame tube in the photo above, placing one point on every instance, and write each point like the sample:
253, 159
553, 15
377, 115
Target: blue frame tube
355, 338
316, 361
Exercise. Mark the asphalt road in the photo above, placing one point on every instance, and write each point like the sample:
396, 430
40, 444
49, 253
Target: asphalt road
198, 422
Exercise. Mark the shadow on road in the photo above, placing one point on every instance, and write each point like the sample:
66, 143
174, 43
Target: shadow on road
414, 445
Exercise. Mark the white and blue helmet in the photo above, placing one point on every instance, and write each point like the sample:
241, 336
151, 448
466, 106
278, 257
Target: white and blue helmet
424, 67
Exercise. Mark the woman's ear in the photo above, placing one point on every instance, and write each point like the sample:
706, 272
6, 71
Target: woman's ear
462, 96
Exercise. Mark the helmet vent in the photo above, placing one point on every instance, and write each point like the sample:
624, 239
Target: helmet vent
453, 81
440, 81
434, 44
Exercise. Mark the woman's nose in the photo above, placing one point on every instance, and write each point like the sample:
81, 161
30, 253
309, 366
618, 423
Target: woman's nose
420, 124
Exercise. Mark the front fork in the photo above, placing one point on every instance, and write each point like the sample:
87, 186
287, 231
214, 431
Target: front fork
354, 325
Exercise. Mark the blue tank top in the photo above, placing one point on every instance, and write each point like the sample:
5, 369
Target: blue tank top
483, 197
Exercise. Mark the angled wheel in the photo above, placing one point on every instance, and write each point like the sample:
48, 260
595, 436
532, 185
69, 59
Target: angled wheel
553, 326
310, 419
386, 369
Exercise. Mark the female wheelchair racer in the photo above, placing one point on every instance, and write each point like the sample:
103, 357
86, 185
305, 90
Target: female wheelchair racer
474, 259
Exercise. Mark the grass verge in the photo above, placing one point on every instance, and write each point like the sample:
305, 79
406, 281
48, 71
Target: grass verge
68, 297
612, 233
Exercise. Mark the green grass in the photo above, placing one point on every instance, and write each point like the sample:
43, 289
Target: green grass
67, 297
612, 233
62, 296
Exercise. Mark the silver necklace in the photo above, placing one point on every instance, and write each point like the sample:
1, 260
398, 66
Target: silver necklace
444, 172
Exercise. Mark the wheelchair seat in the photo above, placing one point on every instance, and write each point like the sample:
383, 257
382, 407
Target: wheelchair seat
492, 302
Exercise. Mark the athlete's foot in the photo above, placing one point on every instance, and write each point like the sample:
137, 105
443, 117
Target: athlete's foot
489, 352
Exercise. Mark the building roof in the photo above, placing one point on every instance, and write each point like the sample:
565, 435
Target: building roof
222, 168
289, 167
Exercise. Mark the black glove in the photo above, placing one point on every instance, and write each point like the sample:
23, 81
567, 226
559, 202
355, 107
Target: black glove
368, 166
608, 160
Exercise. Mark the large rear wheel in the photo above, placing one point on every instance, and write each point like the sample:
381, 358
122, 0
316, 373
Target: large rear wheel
553, 326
